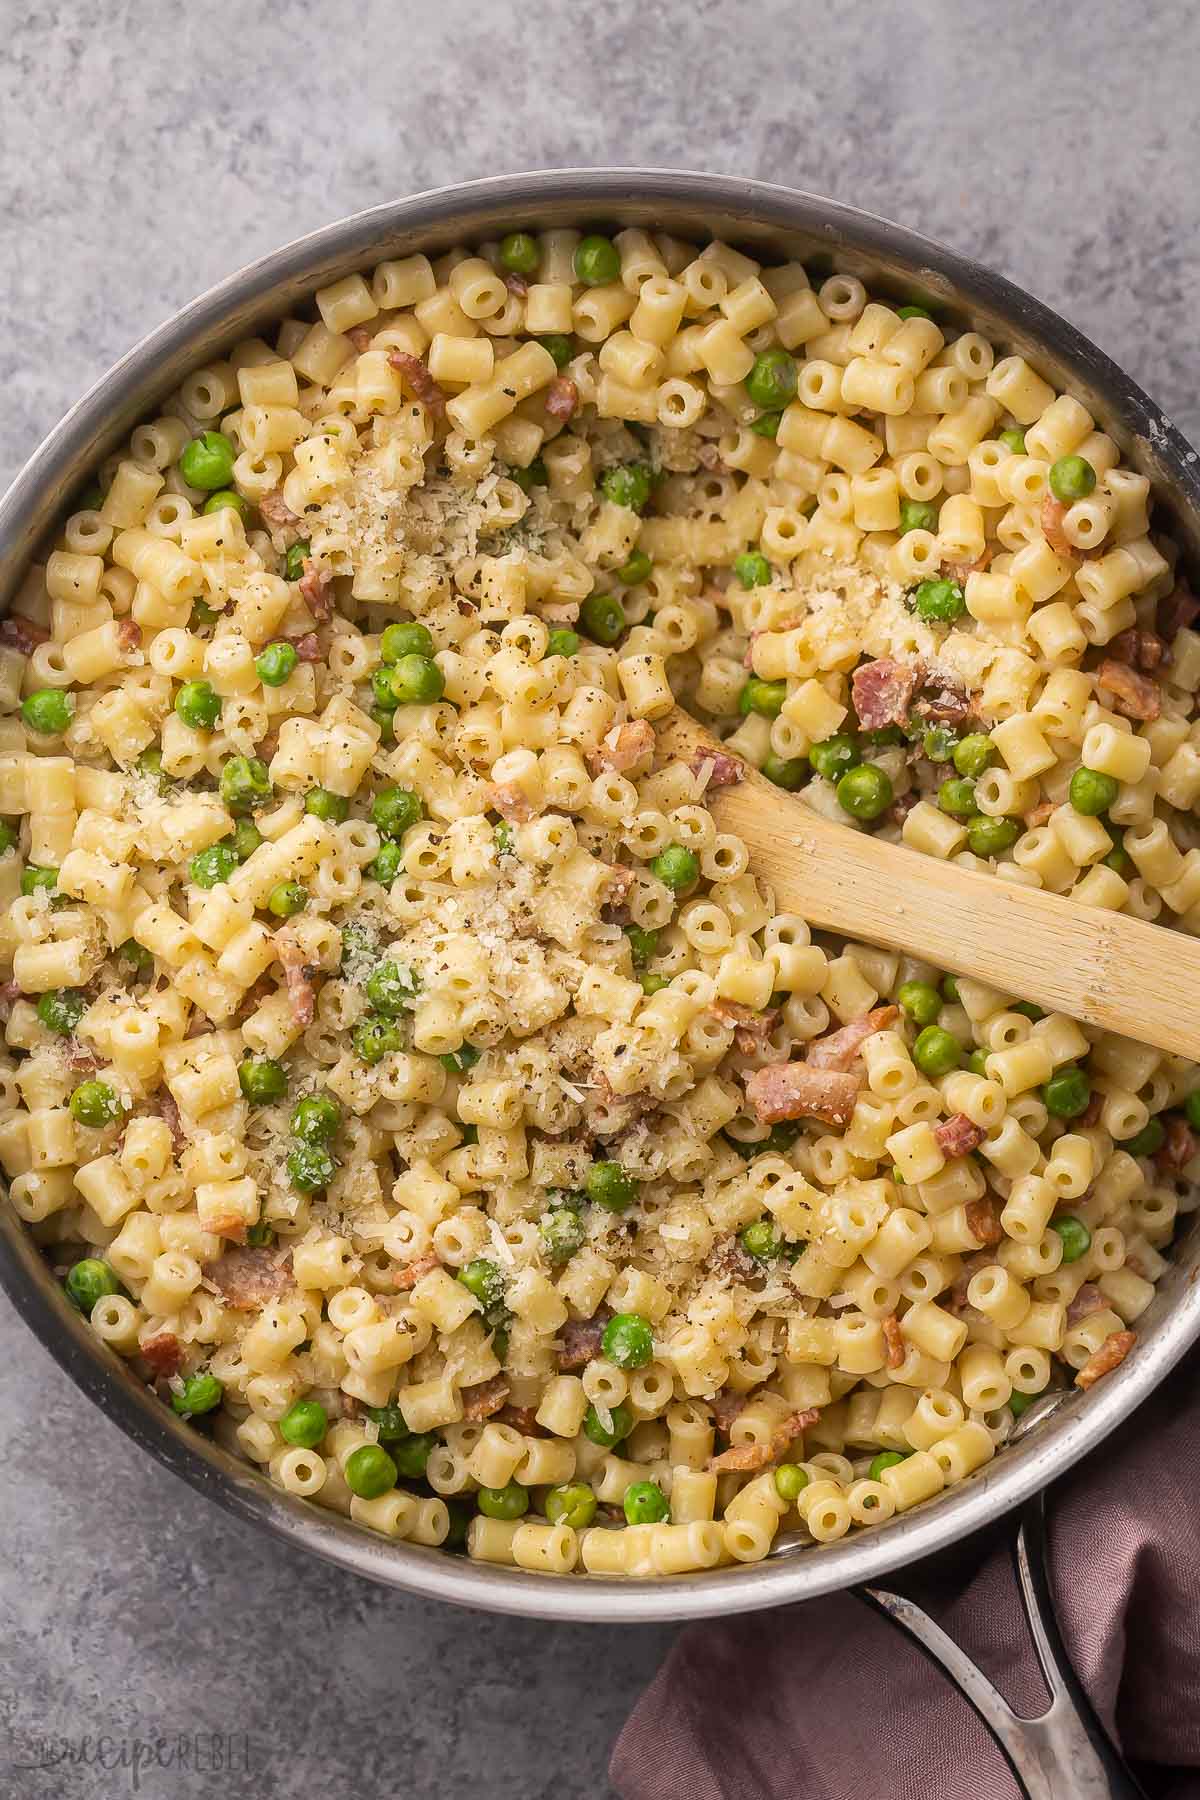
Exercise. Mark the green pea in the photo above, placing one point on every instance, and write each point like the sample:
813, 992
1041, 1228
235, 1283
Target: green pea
937, 742
394, 810
389, 1422
787, 772
502, 837
413, 1454
887, 1459
286, 899
607, 1184
790, 1481
1076, 1238
562, 1234
245, 840
602, 617
643, 945
245, 784
91, 499
771, 383
938, 602
950, 989
304, 1423
48, 711
558, 346
519, 252
605, 1436
385, 865
199, 1394
761, 1240
1191, 1107
1014, 440
1092, 793
1027, 1010
597, 261
381, 717
391, 990
991, 837
216, 864
198, 705
227, 498
536, 475
9, 837
936, 1052
976, 1062
417, 681
628, 1341
89, 1281
957, 797
765, 698
316, 1119
133, 952
1071, 478
260, 1235
457, 1062
1118, 858
373, 1038
207, 462
752, 569
572, 1504
628, 484
675, 867
917, 515
1067, 1093
262, 1079
654, 984
149, 764
276, 663
370, 1471
60, 1010
1147, 1141
1020, 1403
94, 1104
865, 792
563, 642
766, 425
645, 1503
636, 570
920, 1001
973, 754
483, 1279
885, 738
913, 311
295, 559
35, 876
834, 755
405, 639
508, 1502
321, 804
310, 1168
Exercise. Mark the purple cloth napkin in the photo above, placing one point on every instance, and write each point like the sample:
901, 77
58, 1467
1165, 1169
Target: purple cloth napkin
826, 1701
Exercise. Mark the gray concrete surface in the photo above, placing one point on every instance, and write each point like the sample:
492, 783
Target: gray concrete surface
145, 151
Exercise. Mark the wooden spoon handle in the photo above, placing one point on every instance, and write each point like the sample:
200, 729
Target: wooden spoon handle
1103, 968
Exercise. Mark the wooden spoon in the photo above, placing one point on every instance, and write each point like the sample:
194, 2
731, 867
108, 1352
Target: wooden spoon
1103, 968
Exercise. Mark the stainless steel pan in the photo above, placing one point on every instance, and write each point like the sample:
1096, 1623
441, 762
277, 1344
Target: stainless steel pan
770, 221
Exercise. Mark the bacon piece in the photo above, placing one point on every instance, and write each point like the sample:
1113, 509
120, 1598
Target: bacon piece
169, 1111
748, 1457
1135, 696
164, 1353
1091, 1112
522, 1419
10, 993
22, 634
710, 458
1179, 1147
296, 974
1053, 513
516, 284
619, 884
1109, 1356
983, 1221
894, 1341
419, 380
971, 1265
562, 397
279, 519
360, 336
882, 692
308, 647
958, 1134
731, 1262
248, 1278
1178, 611
798, 1091
725, 1408
622, 747
958, 571
511, 802
316, 587
485, 1398
580, 1340
943, 699
79, 1060
750, 1028
1038, 815
900, 808
725, 770
1143, 650
1088, 1299
839, 1049
129, 635
411, 1273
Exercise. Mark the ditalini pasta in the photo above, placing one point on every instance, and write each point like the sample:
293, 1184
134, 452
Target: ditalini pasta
402, 1070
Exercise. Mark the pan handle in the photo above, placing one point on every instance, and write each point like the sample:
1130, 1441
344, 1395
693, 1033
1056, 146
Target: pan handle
1064, 1753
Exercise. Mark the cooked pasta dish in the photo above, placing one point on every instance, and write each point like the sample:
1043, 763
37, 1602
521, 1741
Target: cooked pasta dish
401, 1068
